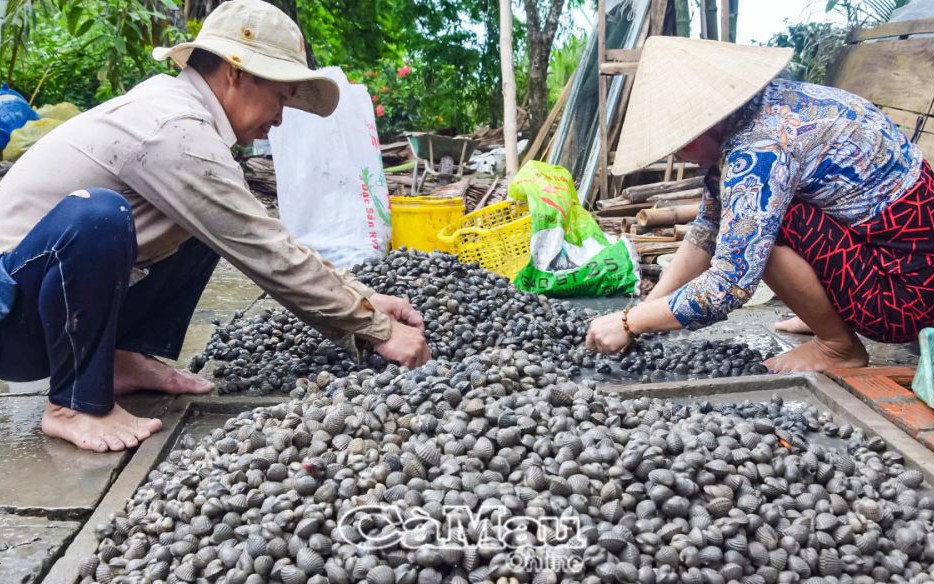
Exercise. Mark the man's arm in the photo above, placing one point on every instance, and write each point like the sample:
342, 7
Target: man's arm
188, 173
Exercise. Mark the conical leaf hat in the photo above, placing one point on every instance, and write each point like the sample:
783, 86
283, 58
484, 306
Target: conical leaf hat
683, 88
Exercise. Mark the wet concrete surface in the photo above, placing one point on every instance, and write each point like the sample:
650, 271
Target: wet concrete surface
50, 476
29, 545
228, 292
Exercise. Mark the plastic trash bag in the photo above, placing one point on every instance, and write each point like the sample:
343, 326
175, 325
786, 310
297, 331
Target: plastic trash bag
570, 254
332, 191
14, 113
923, 383
23, 138
60, 111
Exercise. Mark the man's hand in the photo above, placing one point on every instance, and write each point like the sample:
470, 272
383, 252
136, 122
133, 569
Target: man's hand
607, 335
406, 345
399, 309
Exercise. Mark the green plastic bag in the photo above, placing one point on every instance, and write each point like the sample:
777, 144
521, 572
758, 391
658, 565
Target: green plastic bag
570, 254
60, 111
23, 138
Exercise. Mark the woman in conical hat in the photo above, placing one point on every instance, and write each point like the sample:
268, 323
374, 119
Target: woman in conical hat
809, 188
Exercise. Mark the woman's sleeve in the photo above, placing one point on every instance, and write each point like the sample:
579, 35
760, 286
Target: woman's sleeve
703, 231
755, 192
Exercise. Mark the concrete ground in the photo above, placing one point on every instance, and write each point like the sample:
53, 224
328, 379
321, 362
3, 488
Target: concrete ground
49, 490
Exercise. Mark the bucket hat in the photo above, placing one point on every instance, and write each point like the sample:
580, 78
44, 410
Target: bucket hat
256, 37
684, 87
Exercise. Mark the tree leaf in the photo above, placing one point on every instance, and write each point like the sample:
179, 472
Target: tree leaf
75, 12
84, 27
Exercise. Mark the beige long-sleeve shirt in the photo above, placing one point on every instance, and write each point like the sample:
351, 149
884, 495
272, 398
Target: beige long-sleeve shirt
165, 145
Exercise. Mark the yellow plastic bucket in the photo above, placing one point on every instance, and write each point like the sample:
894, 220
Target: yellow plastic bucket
416, 221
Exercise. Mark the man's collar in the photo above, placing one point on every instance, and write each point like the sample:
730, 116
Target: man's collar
213, 105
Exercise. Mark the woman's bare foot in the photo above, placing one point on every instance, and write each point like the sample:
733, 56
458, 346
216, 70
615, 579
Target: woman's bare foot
134, 372
793, 325
818, 355
115, 431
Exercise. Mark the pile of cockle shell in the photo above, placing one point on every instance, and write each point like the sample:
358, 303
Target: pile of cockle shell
655, 360
384, 478
466, 310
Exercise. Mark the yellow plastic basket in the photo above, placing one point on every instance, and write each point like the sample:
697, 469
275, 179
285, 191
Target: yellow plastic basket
497, 237
416, 221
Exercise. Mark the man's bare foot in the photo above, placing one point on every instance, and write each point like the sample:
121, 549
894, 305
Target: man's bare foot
793, 325
115, 431
817, 355
134, 372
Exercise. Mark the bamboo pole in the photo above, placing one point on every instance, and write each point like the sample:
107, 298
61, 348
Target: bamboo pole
667, 216
710, 18
734, 12
510, 130
678, 195
640, 193
682, 18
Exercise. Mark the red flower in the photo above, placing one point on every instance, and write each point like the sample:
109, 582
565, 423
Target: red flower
403, 71
375, 98
380, 111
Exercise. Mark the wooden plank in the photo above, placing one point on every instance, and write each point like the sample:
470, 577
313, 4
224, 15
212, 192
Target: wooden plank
623, 55
549, 121
618, 68
897, 74
601, 107
891, 29
624, 210
640, 193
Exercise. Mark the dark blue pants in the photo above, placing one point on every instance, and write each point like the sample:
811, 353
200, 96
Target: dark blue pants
74, 305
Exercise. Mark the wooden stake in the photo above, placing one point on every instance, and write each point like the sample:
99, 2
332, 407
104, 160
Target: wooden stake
532, 152
725, 20
601, 107
510, 131
678, 195
641, 193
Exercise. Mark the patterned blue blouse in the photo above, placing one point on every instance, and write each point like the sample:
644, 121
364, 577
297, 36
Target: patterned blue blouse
822, 145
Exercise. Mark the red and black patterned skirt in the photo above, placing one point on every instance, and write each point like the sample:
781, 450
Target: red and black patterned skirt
879, 274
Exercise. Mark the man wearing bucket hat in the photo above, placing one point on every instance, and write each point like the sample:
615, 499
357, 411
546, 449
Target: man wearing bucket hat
809, 188
111, 226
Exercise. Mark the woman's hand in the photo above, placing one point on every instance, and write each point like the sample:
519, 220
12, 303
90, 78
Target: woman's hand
607, 334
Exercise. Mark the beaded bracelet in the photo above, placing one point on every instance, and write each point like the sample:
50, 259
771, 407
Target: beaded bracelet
626, 323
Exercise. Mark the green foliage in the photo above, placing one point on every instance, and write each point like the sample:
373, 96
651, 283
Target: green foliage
815, 46
864, 13
84, 52
564, 61
452, 47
